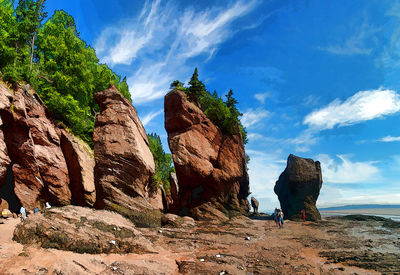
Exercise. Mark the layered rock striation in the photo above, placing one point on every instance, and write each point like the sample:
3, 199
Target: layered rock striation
298, 188
124, 162
210, 166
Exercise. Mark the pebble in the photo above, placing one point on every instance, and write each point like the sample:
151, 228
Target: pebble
112, 242
341, 268
223, 273
247, 238
201, 260
115, 229
218, 256
159, 231
114, 268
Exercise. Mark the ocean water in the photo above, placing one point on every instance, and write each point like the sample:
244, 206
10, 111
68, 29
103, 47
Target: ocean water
331, 214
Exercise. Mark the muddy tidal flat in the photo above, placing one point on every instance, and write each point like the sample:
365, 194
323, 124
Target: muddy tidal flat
336, 245
393, 213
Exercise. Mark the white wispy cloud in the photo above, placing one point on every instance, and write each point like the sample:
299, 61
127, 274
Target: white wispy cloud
311, 100
165, 37
356, 43
347, 171
261, 97
389, 139
304, 140
264, 171
150, 116
363, 106
253, 116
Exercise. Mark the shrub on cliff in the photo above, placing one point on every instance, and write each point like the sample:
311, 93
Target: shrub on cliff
224, 114
60, 66
163, 161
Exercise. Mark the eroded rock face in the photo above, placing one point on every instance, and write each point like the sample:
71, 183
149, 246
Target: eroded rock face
72, 228
33, 144
4, 159
124, 162
210, 167
298, 188
80, 161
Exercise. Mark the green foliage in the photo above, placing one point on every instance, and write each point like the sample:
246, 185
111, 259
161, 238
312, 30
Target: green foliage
224, 114
163, 161
60, 66
197, 89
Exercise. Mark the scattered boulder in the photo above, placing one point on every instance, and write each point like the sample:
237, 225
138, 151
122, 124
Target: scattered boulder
5, 213
124, 162
254, 204
3, 204
210, 166
80, 161
177, 221
73, 228
298, 188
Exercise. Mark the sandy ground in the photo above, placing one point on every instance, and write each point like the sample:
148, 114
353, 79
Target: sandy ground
241, 246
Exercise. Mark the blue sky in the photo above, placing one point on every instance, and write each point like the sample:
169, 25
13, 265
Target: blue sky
319, 79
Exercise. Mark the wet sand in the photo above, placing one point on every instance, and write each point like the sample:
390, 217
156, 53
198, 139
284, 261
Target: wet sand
240, 246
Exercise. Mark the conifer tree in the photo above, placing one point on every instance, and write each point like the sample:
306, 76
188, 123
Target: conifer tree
196, 89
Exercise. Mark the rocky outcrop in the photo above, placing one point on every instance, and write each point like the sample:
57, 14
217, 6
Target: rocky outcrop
172, 220
33, 145
254, 204
124, 162
157, 199
171, 194
4, 159
210, 166
80, 161
73, 228
298, 188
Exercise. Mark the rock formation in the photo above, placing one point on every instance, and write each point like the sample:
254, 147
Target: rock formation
73, 228
39, 161
80, 160
298, 188
173, 191
33, 145
4, 159
210, 167
254, 204
124, 162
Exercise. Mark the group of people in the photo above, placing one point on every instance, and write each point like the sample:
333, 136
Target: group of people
23, 213
278, 217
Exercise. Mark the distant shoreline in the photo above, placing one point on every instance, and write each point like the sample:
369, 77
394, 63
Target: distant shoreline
370, 211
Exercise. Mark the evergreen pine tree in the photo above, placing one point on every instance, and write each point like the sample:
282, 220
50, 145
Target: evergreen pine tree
196, 89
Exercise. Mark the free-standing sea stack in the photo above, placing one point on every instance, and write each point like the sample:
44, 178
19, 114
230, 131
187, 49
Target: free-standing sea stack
210, 166
298, 188
124, 162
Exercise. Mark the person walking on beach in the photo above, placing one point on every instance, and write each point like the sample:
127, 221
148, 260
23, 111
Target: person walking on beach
303, 215
23, 213
275, 216
279, 218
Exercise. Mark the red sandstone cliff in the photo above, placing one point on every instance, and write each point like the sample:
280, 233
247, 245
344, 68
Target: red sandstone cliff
210, 167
